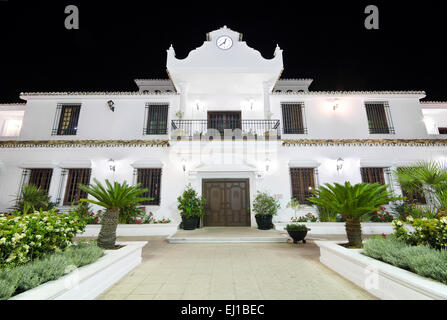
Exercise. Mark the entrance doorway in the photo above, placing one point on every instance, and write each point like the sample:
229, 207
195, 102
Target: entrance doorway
228, 202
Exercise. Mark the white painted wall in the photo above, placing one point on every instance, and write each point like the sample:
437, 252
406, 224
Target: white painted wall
227, 160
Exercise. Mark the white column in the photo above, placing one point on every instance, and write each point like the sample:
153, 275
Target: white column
267, 88
183, 96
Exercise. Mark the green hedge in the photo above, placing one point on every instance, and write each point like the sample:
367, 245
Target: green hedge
27, 237
422, 260
50, 267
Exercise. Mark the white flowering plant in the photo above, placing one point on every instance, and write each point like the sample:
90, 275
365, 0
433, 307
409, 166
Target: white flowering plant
431, 232
24, 238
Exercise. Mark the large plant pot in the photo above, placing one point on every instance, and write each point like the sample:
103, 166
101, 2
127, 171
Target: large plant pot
297, 235
190, 223
264, 222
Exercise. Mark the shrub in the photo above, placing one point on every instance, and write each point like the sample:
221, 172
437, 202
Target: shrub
296, 227
190, 204
32, 199
431, 232
422, 260
8, 283
27, 237
83, 254
381, 215
40, 271
130, 213
265, 205
326, 214
14, 280
306, 218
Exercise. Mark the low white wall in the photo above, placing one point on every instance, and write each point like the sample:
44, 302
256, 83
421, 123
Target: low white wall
88, 282
133, 230
378, 278
339, 227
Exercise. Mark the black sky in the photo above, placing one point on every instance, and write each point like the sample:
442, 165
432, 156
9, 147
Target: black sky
120, 41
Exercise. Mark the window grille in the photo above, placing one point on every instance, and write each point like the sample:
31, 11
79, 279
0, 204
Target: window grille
150, 179
156, 118
294, 120
24, 180
379, 118
303, 181
373, 175
72, 191
40, 178
66, 120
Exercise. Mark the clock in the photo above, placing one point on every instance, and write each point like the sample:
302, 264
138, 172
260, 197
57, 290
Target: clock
224, 42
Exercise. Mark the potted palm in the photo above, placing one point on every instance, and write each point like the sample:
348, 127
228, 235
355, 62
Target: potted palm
265, 207
297, 232
352, 202
191, 208
113, 199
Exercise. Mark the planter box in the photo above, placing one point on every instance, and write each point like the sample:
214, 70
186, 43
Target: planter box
339, 227
379, 278
133, 230
88, 282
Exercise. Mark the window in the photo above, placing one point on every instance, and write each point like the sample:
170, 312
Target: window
41, 178
373, 175
66, 120
72, 191
303, 181
11, 128
150, 179
442, 130
293, 118
379, 118
156, 118
414, 197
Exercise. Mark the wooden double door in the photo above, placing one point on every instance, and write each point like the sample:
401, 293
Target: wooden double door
228, 202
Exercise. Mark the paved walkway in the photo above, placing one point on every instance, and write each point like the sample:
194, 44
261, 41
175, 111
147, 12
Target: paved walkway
231, 271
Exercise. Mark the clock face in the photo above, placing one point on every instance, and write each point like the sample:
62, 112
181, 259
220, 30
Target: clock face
224, 42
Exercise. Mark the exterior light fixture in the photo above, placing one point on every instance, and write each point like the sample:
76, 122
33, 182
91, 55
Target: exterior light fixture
184, 165
251, 102
335, 106
197, 103
340, 162
111, 105
111, 164
267, 164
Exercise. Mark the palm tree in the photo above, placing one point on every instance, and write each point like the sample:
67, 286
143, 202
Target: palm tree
32, 198
113, 198
427, 177
353, 202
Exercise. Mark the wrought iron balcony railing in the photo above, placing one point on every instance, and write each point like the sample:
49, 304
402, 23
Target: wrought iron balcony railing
225, 129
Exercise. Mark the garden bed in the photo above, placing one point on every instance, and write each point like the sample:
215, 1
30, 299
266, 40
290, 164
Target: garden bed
379, 278
88, 282
133, 230
339, 227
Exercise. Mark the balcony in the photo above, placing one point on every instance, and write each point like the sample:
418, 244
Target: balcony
225, 129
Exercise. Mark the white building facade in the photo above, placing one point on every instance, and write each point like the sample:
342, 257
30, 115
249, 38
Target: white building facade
223, 121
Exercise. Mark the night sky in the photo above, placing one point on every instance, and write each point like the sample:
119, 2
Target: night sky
120, 41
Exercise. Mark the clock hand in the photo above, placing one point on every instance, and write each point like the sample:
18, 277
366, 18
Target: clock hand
222, 43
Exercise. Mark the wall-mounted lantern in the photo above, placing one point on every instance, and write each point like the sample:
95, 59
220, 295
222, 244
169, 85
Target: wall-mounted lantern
340, 162
111, 105
183, 165
251, 102
111, 164
267, 164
